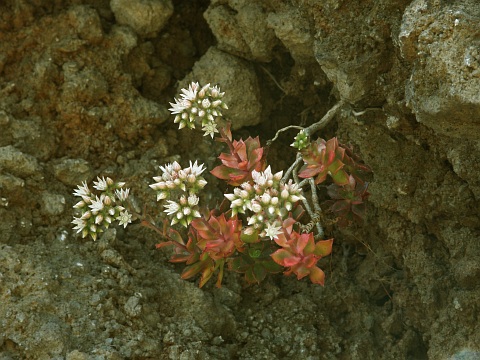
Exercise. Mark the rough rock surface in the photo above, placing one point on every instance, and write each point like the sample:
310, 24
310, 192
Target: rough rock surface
84, 88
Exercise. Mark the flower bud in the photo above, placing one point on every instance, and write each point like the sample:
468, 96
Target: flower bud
191, 178
79, 205
256, 207
236, 203
193, 200
216, 103
206, 103
266, 198
203, 91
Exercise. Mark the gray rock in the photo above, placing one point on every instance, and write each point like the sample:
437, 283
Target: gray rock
237, 78
17, 163
86, 22
145, 17
442, 44
241, 29
72, 172
52, 204
293, 30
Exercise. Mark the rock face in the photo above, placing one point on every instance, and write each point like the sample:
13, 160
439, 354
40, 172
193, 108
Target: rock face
442, 45
84, 91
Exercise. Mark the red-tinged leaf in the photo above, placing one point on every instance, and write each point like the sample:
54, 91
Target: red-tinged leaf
206, 275
310, 261
359, 210
288, 224
192, 270
222, 172
179, 258
341, 207
175, 236
321, 178
280, 255
317, 276
301, 271
229, 160
161, 245
310, 245
331, 145
292, 260
200, 225
240, 149
340, 153
302, 242
297, 212
323, 247
228, 131
220, 265
309, 172
257, 159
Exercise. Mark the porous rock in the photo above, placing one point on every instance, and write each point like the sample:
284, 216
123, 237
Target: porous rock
145, 17
442, 45
236, 75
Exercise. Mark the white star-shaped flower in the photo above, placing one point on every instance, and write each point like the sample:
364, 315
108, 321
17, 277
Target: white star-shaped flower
210, 128
272, 231
102, 184
82, 191
79, 224
172, 207
124, 218
122, 194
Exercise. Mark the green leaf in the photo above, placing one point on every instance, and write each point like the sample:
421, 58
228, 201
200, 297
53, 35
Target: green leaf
259, 272
340, 177
250, 239
271, 266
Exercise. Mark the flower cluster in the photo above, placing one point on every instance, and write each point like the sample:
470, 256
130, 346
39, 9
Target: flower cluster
268, 198
197, 104
183, 186
301, 141
98, 211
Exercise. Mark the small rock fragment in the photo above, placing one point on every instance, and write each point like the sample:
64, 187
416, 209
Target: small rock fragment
145, 17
